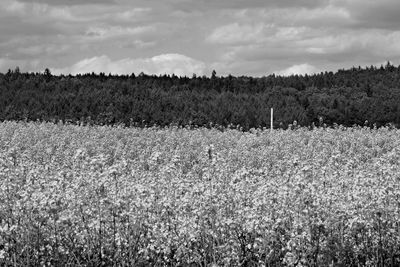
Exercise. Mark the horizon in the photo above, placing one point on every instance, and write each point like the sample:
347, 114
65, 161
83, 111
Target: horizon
185, 37
194, 75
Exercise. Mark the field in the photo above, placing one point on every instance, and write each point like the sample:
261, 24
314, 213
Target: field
92, 196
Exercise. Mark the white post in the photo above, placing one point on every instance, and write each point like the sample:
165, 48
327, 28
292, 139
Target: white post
272, 118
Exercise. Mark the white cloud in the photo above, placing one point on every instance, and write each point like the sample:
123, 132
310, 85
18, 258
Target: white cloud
131, 14
379, 43
235, 33
162, 64
290, 33
300, 69
328, 16
111, 32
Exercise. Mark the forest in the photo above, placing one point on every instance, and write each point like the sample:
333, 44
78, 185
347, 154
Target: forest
365, 96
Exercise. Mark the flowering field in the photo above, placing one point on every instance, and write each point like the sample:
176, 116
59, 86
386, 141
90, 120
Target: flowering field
92, 196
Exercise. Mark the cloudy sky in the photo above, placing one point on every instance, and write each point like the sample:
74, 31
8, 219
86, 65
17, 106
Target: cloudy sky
238, 37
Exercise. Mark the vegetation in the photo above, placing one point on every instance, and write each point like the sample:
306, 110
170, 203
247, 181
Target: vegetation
361, 96
92, 196
185, 194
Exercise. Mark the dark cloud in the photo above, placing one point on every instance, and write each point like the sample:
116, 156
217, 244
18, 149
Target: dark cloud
23, 29
252, 37
69, 2
383, 14
381, 17
207, 5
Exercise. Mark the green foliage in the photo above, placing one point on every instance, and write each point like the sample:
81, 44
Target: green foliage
346, 97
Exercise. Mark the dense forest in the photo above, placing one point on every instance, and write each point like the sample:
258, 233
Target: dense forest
362, 96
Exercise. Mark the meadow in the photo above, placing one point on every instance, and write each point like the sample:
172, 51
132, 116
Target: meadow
112, 196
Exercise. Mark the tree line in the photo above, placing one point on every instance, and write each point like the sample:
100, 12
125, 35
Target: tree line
357, 96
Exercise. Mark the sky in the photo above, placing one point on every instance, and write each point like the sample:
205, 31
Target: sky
186, 37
